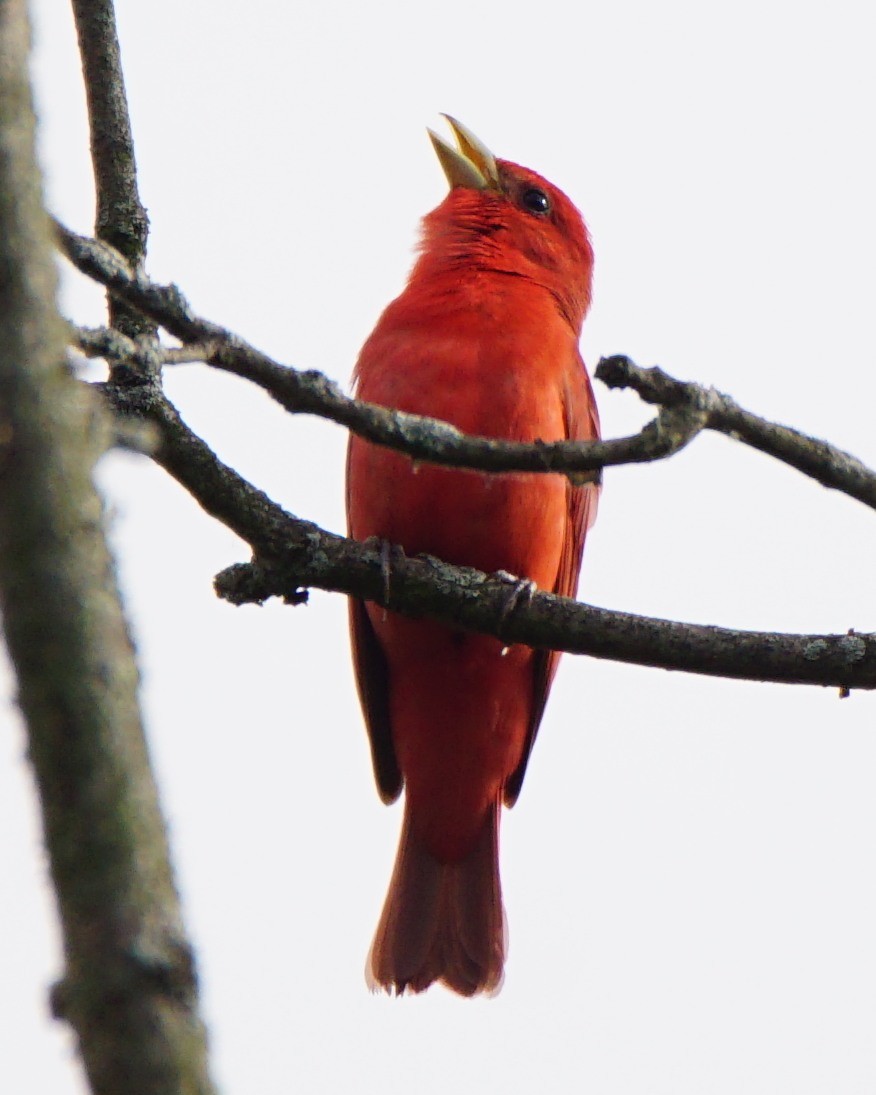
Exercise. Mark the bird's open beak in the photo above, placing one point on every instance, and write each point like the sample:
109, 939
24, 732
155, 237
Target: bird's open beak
472, 164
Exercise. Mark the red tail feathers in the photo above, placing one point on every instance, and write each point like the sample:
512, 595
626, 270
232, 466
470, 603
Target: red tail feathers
442, 921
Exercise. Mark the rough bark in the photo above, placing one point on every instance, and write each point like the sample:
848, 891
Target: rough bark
129, 987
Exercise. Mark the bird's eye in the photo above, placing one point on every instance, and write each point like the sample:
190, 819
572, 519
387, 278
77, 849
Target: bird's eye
536, 201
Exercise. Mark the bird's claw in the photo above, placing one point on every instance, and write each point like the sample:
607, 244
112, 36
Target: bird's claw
387, 552
522, 591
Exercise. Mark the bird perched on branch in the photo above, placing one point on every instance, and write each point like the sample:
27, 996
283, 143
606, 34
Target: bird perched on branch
484, 336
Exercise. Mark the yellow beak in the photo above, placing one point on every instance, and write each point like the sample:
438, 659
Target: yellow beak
471, 165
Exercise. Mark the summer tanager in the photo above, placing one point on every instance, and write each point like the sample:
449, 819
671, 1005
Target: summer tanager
485, 336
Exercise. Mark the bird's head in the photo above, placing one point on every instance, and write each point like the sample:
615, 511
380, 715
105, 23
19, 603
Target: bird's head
507, 219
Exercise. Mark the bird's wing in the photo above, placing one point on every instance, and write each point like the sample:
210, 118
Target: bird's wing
372, 681
582, 424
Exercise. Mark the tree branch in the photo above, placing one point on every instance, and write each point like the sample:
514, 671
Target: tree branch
292, 554
685, 408
219, 490
130, 987
145, 353
120, 220
472, 601
832, 467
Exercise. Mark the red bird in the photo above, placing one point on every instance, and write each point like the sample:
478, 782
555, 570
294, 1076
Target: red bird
485, 336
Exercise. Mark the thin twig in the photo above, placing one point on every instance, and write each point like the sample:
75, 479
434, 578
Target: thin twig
832, 467
145, 353
120, 219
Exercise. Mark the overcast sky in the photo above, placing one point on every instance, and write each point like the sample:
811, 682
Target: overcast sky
690, 873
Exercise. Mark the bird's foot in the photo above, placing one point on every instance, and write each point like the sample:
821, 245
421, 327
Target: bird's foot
388, 552
522, 592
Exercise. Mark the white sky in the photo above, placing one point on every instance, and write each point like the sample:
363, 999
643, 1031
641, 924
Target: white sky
690, 874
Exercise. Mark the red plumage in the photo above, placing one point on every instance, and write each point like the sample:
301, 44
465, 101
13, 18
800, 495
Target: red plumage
484, 336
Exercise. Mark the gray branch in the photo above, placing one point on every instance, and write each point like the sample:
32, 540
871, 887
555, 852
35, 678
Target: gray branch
129, 987
832, 467
490, 604
120, 220
293, 554
685, 408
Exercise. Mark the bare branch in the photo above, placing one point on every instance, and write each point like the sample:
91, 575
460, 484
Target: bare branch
130, 988
472, 601
832, 467
685, 409
220, 491
121, 220
145, 353
313, 393
296, 554
293, 555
